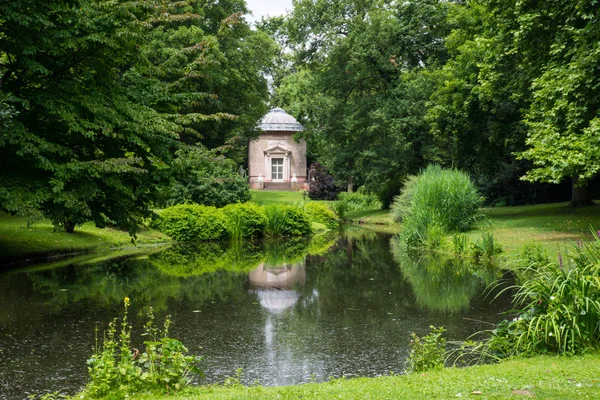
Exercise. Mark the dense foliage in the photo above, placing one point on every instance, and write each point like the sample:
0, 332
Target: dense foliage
201, 176
559, 303
322, 184
117, 371
95, 97
359, 200
441, 201
319, 212
503, 90
245, 220
187, 222
194, 222
287, 220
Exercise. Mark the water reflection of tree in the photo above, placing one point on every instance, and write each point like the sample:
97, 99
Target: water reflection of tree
441, 282
191, 272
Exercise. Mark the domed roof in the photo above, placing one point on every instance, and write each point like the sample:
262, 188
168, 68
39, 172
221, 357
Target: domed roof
278, 120
277, 301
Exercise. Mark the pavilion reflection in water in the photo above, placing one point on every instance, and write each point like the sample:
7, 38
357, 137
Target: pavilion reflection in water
275, 286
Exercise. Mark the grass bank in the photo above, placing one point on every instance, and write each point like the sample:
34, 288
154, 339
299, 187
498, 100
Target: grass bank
543, 377
19, 243
548, 224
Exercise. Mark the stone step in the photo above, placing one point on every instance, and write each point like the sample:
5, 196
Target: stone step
278, 186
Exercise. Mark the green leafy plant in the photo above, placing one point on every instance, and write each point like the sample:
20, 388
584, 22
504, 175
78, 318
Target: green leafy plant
287, 220
245, 220
319, 212
487, 246
460, 243
116, 370
340, 208
360, 200
427, 353
204, 177
187, 222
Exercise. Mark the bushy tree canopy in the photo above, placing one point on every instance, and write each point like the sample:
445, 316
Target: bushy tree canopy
95, 97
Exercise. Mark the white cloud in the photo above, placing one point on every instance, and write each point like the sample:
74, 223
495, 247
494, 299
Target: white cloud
264, 8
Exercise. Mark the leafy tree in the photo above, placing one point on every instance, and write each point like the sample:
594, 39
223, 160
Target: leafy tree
364, 81
95, 96
75, 145
564, 117
202, 176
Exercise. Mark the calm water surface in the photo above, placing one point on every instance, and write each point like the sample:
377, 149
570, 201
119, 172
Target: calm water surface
285, 312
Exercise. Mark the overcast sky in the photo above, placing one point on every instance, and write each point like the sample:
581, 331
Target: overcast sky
265, 8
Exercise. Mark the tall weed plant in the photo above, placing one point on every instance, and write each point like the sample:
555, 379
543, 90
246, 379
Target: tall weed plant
437, 199
118, 371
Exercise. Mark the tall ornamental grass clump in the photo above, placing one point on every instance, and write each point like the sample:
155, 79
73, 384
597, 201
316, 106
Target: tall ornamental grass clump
187, 222
437, 200
245, 220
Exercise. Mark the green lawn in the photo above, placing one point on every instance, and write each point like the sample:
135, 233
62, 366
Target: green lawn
542, 377
277, 196
19, 242
548, 224
378, 217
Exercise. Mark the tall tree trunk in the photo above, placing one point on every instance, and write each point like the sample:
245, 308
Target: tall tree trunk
350, 183
68, 225
580, 196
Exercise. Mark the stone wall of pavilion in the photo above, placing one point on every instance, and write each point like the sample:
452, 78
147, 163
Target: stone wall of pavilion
256, 157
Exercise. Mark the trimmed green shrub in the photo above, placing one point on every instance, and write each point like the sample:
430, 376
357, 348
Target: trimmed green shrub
360, 200
287, 220
437, 199
186, 222
245, 220
319, 212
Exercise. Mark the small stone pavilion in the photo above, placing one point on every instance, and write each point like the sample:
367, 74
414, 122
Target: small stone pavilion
275, 160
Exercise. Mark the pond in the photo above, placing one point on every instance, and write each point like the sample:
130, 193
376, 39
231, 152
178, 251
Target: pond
285, 312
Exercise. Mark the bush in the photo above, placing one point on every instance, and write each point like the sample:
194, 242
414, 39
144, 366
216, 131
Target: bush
245, 220
427, 353
287, 220
319, 212
437, 199
164, 366
201, 176
358, 201
187, 222
322, 185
